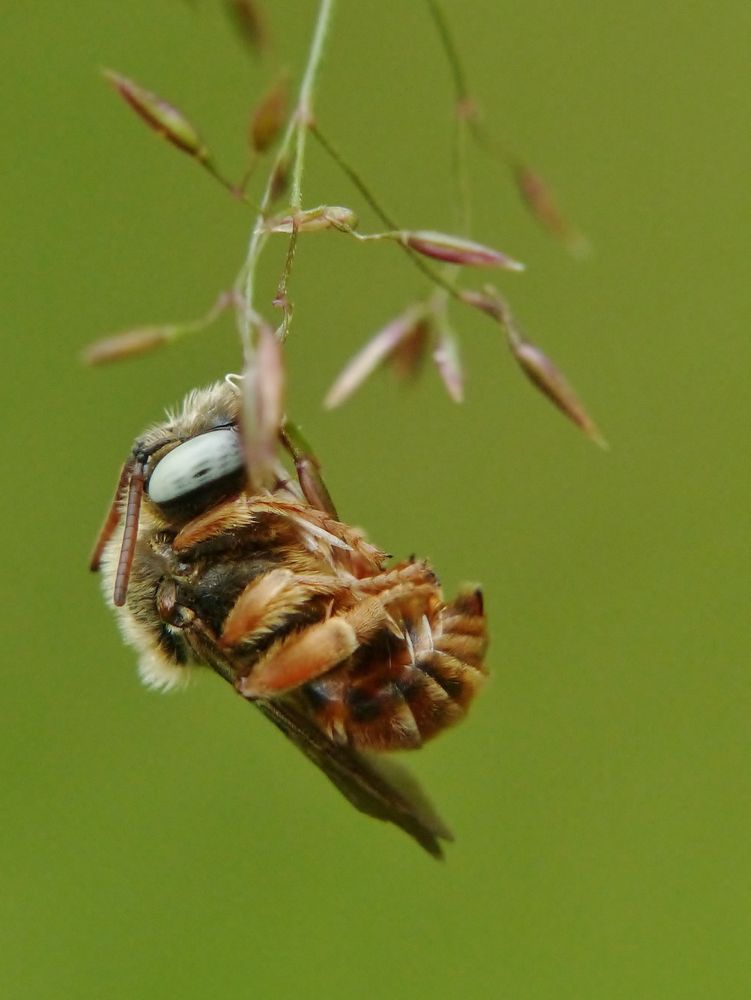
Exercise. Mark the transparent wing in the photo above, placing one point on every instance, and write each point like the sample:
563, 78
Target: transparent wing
379, 788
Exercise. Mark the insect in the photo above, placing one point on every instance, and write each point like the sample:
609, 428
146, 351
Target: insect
348, 656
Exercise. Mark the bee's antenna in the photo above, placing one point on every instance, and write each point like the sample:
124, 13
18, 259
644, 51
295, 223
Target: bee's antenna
130, 533
111, 521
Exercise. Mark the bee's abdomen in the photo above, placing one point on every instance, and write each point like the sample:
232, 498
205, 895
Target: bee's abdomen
396, 699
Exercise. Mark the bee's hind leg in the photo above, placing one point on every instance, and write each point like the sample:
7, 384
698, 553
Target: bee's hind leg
308, 469
315, 650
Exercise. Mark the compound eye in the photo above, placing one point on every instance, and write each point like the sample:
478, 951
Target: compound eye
194, 464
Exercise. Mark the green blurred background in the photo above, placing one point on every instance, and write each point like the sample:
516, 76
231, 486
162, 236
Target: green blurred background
157, 846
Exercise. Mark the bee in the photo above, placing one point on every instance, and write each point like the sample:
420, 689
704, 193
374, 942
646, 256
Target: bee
348, 656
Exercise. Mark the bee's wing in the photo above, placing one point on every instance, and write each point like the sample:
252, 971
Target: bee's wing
381, 789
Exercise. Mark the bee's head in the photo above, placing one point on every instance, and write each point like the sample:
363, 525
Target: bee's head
182, 467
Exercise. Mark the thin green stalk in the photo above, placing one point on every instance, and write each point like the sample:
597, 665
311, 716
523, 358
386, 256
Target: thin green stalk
461, 175
297, 126
381, 213
350, 171
304, 111
452, 53
463, 111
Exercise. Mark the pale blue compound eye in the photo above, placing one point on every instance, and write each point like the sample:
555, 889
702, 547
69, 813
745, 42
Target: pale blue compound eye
194, 464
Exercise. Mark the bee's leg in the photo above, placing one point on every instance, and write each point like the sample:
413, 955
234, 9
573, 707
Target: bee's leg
315, 650
432, 676
447, 668
225, 517
410, 571
411, 594
308, 469
394, 700
410, 588
243, 511
268, 602
463, 630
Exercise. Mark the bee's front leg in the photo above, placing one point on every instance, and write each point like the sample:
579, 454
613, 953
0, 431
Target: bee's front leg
308, 469
169, 609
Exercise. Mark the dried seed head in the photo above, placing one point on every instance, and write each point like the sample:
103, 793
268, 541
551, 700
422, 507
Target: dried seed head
268, 116
542, 204
279, 180
539, 199
160, 116
250, 22
536, 365
377, 350
487, 301
546, 377
448, 363
407, 357
129, 344
541, 371
312, 220
263, 407
456, 250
